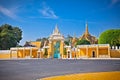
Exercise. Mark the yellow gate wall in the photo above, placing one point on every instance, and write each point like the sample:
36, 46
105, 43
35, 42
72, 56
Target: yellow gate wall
4, 55
115, 53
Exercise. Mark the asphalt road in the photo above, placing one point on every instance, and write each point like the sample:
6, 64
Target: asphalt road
32, 69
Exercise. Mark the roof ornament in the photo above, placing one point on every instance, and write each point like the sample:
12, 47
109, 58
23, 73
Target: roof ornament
56, 31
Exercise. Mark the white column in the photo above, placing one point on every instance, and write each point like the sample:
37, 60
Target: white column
116, 47
112, 47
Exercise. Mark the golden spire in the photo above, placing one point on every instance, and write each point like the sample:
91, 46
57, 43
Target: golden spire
86, 31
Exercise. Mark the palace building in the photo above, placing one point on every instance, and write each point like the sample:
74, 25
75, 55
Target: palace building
56, 48
87, 36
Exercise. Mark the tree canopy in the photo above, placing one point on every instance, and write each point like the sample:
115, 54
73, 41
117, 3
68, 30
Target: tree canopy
111, 37
46, 53
9, 36
82, 42
68, 40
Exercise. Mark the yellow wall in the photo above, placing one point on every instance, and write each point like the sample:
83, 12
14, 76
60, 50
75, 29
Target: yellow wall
14, 55
82, 51
20, 53
27, 52
4, 55
115, 53
34, 54
103, 51
90, 51
7, 55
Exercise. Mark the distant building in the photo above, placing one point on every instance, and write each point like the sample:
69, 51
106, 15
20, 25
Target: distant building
88, 36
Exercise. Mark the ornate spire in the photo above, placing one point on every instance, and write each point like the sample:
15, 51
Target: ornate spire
86, 31
56, 31
56, 34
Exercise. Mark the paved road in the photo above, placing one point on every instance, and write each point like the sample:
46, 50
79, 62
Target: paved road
32, 69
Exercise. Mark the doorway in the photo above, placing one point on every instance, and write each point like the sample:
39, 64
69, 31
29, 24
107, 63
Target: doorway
68, 54
93, 54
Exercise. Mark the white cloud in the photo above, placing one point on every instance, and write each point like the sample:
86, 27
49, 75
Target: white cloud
8, 12
47, 12
114, 2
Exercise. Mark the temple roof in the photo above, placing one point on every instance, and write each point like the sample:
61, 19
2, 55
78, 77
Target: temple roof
88, 36
56, 34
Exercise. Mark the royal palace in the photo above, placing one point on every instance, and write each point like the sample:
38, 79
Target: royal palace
55, 47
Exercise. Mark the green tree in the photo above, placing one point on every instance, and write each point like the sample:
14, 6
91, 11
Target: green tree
46, 52
9, 36
66, 43
111, 37
65, 51
68, 40
81, 42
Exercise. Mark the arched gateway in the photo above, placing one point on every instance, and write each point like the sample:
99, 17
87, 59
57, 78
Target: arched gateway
56, 44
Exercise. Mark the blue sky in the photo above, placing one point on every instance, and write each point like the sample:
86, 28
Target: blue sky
37, 18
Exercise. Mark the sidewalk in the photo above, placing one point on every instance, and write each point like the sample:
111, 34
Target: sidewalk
65, 58
95, 58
